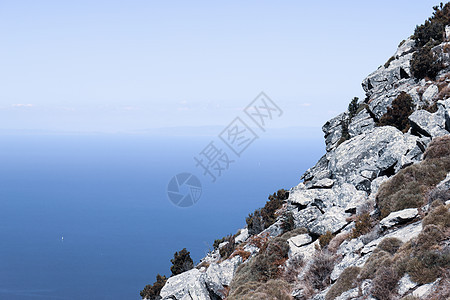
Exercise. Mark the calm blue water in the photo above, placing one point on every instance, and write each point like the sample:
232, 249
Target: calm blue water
107, 196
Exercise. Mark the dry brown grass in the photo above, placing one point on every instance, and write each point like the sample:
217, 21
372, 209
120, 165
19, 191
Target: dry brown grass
346, 281
271, 290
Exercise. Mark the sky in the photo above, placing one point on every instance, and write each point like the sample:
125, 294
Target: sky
137, 65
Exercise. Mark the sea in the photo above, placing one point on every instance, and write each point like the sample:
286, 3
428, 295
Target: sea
87, 216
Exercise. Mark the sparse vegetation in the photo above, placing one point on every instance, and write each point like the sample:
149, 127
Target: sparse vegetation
266, 216
273, 289
346, 281
325, 239
318, 274
397, 115
363, 225
226, 250
385, 282
264, 266
408, 187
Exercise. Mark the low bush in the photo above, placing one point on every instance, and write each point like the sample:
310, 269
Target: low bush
292, 269
384, 283
390, 245
325, 239
439, 216
423, 258
336, 241
226, 250
288, 223
346, 281
363, 225
318, 274
264, 266
438, 148
409, 187
377, 259
425, 63
399, 111
151, 292
182, 262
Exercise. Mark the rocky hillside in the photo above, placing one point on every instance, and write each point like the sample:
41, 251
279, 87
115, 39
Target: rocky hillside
371, 219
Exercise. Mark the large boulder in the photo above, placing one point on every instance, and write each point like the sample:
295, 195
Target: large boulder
381, 150
187, 285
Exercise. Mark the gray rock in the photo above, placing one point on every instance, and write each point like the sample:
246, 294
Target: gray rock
379, 149
361, 123
324, 183
274, 229
350, 294
333, 131
430, 93
307, 251
242, 237
424, 290
404, 234
399, 217
300, 240
348, 260
333, 220
366, 286
220, 275
187, 285
305, 216
405, 284
318, 171
428, 124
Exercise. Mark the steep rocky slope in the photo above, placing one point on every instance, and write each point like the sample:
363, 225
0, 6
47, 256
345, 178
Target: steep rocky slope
371, 219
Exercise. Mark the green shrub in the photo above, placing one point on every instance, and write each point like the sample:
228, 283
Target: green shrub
424, 63
266, 216
397, 115
431, 33
151, 292
433, 28
346, 281
182, 262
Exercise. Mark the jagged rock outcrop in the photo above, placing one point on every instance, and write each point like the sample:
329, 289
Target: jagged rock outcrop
337, 198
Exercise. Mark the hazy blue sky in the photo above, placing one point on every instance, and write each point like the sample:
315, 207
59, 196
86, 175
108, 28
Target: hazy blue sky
113, 66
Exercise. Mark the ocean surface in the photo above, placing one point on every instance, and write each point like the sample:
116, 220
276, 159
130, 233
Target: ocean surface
88, 217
